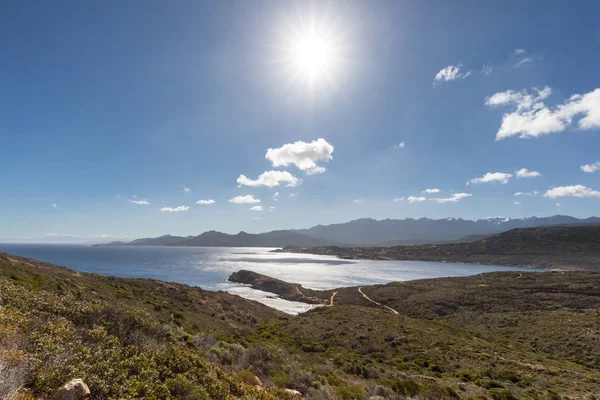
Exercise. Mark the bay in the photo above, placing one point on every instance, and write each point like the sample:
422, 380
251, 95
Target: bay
209, 267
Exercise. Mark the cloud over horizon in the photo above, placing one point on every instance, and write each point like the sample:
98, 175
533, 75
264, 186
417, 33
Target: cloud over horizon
571, 191
488, 177
270, 179
174, 209
247, 199
205, 202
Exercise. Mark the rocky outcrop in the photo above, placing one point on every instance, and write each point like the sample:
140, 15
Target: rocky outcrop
75, 389
288, 291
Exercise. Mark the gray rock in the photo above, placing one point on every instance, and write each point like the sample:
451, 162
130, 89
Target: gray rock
75, 389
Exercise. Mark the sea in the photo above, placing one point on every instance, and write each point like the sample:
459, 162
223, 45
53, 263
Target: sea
209, 267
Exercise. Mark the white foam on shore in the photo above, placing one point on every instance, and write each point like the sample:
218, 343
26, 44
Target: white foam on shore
268, 299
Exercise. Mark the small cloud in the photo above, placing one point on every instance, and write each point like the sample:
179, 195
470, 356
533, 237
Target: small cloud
571, 191
357, 201
558, 205
256, 218
174, 209
401, 145
256, 208
525, 173
247, 199
519, 52
185, 189
139, 202
316, 170
399, 199
589, 168
414, 199
486, 69
302, 154
517, 203
523, 61
450, 73
205, 202
54, 205
530, 194
270, 179
492, 177
272, 208
452, 199
276, 196
293, 194
431, 191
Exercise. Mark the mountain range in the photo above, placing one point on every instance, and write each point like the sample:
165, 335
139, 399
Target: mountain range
365, 232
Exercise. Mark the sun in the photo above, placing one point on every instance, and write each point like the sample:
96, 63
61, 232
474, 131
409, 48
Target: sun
313, 53
313, 56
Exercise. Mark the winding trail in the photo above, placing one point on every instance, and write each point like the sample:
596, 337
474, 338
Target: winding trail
331, 300
374, 302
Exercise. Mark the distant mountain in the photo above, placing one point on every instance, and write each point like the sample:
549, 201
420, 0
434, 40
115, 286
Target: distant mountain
365, 232
242, 239
390, 232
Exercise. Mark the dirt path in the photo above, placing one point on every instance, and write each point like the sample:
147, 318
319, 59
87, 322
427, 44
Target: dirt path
374, 302
331, 300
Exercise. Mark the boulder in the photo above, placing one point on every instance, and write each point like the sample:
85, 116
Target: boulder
75, 389
292, 392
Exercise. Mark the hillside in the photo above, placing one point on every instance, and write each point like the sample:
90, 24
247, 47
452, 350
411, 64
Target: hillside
497, 336
366, 231
391, 232
554, 246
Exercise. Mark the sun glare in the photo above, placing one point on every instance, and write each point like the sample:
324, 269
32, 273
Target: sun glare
312, 56
312, 53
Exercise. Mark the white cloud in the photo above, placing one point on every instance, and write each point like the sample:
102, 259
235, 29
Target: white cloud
571, 191
450, 73
316, 170
293, 194
205, 202
185, 189
247, 199
174, 209
431, 191
414, 199
591, 167
501, 177
256, 208
399, 199
519, 51
525, 173
139, 202
558, 204
357, 201
452, 199
54, 205
271, 208
401, 145
256, 218
303, 155
270, 179
533, 117
486, 69
523, 61
517, 203
276, 196
530, 194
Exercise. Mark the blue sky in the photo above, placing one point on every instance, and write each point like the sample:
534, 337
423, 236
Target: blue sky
110, 103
